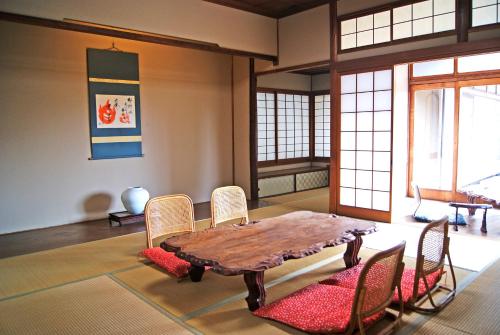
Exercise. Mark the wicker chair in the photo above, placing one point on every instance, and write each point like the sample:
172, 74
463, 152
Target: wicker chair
433, 246
166, 215
228, 203
419, 283
321, 308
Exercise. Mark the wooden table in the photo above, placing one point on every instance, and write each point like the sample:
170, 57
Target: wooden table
253, 248
486, 189
125, 217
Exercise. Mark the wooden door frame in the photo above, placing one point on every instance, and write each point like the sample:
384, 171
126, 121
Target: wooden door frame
432, 194
425, 192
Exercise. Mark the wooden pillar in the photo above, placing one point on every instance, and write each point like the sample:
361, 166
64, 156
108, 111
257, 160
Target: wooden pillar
334, 106
254, 191
463, 20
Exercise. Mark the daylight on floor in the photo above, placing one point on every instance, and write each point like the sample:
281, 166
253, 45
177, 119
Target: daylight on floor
250, 167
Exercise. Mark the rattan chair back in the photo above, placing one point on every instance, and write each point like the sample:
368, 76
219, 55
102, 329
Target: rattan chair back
433, 247
228, 203
168, 214
376, 283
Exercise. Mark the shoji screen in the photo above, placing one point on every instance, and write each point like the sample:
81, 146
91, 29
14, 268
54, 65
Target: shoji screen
365, 140
265, 127
293, 126
322, 125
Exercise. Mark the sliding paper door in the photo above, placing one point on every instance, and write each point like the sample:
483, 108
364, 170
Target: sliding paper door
364, 172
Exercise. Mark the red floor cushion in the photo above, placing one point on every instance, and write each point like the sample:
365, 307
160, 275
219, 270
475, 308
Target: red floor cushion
349, 279
316, 308
168, 261
407, 284
346, 278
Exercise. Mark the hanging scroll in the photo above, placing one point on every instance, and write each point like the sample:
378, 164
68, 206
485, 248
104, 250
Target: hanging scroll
114, 104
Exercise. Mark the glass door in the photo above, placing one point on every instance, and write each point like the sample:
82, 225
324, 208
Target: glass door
432, 140
479, 136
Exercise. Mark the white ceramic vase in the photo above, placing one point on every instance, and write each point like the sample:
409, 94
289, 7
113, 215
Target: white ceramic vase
134, 199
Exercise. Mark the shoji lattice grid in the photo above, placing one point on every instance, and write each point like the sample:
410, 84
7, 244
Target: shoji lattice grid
485, 12
366, 30
293, 126
322, 125
266, 146
365, 140
420, 18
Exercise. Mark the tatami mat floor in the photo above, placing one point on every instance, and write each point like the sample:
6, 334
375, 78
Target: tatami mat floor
104, 287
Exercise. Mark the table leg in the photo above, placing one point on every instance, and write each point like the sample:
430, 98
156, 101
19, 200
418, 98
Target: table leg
471, 200
483, 225
351, 254
196, 272
256, 291
456, 219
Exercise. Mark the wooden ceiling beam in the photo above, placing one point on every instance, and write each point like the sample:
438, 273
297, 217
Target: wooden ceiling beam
131, 35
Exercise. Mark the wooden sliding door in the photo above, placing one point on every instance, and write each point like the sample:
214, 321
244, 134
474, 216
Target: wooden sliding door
365, 145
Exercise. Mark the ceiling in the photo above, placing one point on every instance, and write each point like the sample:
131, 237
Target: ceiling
272, 8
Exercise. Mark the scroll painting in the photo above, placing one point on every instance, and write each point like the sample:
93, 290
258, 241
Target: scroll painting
114, 104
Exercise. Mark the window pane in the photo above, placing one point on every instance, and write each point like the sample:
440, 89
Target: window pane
364, 102
444, 6
383, 101
422, 26
382, 121
383, 80
382, 161
364, 140
364, 160
365, 82
348, 26
348, 103
364, 38
435, 67
444, 22
363, 179
347, 159
348, 140
382, 141
381, 200
347, 178
348, 41
363, 198
381, 181
365, 121
484, 15
401, 14
479, 62
347, 196
381, 35
422, 9
401, 30
382, 19
348, 122
364, 23
348, 84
